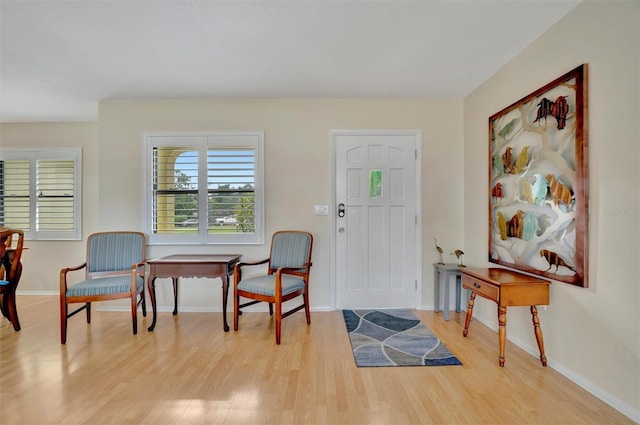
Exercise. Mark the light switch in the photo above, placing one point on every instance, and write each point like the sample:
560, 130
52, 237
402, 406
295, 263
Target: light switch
321, 209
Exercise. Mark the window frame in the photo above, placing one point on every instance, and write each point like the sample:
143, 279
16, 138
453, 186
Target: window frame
204, 141
33, 155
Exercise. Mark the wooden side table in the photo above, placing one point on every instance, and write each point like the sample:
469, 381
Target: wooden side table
448, 270
190, 265
507, 288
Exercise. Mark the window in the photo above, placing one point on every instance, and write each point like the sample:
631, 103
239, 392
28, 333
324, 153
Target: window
205, 188
40, 192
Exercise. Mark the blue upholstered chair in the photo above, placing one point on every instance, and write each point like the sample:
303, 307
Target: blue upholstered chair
287, 277
114, 269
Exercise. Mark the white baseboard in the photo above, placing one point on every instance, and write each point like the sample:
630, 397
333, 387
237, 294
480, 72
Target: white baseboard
28, 293
187, 309
611, 400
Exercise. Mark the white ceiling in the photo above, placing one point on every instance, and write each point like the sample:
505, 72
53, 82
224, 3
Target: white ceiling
58, 59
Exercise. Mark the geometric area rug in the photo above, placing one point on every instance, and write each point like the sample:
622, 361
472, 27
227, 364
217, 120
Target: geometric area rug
394, 338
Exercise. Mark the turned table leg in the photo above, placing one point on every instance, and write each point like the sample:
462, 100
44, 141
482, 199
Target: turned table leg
502, 332
472, 299
151, 286
175, 295
225, 296
538, 332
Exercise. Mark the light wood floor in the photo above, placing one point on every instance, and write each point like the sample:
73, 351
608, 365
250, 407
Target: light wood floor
190, 372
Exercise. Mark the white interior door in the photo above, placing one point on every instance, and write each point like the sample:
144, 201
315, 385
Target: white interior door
376, 221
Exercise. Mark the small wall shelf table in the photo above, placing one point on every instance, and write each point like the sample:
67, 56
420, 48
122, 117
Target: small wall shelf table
448, 270
507, 288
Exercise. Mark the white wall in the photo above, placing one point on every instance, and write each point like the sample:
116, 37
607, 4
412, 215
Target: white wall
297, 171
43, 260
592, 334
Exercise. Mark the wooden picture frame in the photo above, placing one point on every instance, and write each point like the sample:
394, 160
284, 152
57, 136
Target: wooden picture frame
538, 178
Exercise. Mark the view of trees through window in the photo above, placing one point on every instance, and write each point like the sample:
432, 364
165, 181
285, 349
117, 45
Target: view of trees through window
205, 188
230, 195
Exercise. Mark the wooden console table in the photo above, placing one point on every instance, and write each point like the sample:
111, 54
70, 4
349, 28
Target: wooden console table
507, 288
190, 265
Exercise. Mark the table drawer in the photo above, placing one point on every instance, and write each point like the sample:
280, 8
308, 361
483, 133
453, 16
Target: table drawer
480, 287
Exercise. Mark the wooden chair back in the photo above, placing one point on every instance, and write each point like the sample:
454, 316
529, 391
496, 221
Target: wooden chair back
11, 263
10, 271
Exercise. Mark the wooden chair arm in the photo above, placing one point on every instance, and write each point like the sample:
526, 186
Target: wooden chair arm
300, 271
237, 273
251, 263
73, 268
294, 270
237, 266
139, 267
63, 275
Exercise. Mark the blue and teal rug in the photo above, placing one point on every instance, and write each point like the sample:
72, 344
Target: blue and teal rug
394, 338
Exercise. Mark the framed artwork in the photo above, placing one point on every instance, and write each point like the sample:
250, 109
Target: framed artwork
538, 177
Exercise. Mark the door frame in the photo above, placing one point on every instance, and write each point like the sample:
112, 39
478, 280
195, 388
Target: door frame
333, 134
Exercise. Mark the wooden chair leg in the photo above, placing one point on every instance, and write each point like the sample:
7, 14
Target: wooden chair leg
13, 310
270, 309
3, 306
236, 308
134, 313
8, 309
306, 307
63, 322
278, 321
144, 303
88, 312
